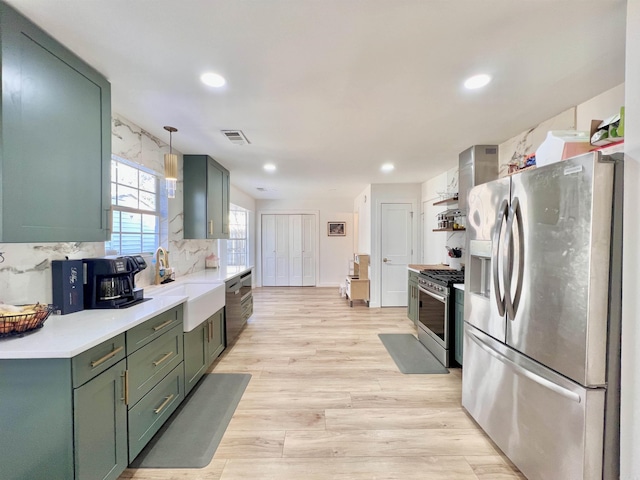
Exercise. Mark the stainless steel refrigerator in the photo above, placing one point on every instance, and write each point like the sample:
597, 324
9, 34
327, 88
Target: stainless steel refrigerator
542, 317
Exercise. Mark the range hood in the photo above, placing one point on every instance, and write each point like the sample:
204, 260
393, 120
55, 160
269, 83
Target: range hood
476, 165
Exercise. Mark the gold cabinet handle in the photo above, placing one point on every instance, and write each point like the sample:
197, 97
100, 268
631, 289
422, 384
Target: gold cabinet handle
109, 355
162, 325
164, 404
208, 331
125, 387
210, 227
163, 359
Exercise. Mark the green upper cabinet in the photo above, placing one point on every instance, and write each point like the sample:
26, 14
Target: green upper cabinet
206, 198
55, 139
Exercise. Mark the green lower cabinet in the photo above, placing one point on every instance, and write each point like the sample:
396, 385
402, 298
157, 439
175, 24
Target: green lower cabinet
459, 325
195, 355
149, 414
37, 421
100, 426
216, 340
413, 300
202, 346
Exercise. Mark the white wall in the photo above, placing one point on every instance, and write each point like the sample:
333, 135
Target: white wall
390, 193
630, 403
362, 210
598, 108
242, 199
433, 243
334, 252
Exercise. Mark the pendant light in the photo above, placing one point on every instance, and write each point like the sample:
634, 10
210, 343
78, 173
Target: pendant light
171, 166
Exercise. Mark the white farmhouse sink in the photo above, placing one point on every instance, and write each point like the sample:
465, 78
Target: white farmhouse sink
204, 300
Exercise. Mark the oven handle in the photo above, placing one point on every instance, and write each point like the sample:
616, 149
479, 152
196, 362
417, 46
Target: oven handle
437, 297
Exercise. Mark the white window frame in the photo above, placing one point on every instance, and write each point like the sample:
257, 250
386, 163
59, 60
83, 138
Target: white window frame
160, 213
234, 257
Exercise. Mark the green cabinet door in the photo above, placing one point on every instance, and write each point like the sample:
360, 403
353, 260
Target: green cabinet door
216, 338
196, 355
55, 143
100, 426
202, 346
459, 326
206, 198
36, 439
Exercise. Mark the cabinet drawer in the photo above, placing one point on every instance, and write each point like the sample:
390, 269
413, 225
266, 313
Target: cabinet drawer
148, 365
247, 308
146, 418
144, 333
413, 276
97, 359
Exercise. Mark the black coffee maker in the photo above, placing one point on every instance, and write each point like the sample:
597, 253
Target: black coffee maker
110, 282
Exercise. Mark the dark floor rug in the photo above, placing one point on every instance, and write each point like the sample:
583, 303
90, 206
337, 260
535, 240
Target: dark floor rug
410, 355
192, 434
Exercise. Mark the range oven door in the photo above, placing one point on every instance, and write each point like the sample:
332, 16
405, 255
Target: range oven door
433, 314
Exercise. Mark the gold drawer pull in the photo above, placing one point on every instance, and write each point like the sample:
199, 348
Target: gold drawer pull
162, 325
210, 227
165, 357
109, 355
164, 404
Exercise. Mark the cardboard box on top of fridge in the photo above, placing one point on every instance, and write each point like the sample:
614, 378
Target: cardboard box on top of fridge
562, 144
610, 130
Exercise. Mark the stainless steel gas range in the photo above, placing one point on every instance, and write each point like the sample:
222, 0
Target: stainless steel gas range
435, 314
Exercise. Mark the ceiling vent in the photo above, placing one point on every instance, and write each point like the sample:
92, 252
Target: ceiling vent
236, 137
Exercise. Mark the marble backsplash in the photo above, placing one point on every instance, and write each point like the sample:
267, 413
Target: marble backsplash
25, 268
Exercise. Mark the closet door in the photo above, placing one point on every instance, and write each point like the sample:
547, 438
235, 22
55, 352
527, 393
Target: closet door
282, 250
308, 250
295, 250
268, 250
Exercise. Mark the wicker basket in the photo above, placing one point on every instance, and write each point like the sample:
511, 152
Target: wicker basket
21, 323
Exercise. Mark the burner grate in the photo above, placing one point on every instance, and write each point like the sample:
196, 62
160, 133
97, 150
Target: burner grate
444, 277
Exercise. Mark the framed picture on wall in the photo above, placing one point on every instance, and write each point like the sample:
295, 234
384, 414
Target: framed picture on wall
336, 229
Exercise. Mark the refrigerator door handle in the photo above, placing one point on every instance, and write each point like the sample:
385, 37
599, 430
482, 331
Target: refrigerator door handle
502, 213
512, 304
548, 384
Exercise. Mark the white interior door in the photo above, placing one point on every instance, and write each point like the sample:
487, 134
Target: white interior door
295, 250
308, 250
396, 252
268, 250
282, 250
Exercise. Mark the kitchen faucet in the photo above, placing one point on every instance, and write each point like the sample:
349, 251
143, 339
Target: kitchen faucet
164, 273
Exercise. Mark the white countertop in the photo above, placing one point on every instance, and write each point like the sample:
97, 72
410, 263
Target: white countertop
65, 336
459, 286
214, 275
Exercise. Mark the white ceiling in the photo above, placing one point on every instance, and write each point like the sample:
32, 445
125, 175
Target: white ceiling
328, 90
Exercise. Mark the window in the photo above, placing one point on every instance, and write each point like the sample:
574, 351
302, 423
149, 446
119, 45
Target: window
136, 208
237, 243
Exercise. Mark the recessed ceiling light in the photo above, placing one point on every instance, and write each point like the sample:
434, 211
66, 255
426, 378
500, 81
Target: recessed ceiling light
387, 167
269, 167
477, 81
213, 79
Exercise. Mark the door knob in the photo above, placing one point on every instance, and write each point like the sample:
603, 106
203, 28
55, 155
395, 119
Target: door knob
385, 260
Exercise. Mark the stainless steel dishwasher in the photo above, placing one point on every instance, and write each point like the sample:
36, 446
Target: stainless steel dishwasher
238, 305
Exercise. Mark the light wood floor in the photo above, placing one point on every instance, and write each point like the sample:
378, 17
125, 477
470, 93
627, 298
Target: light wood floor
326, 401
